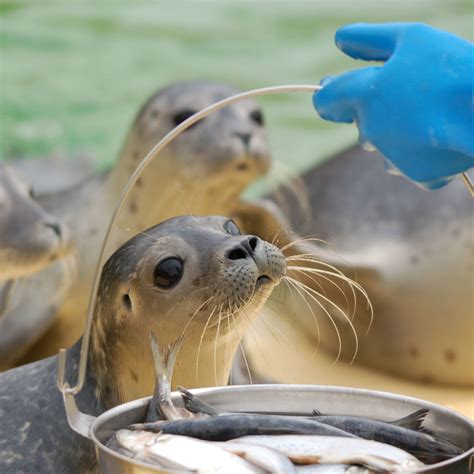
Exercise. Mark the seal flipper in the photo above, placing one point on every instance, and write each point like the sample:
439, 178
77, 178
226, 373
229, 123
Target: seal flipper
195, 405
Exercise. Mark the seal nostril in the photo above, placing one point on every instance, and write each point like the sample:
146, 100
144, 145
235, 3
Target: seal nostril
253, 242
237, 253
245, 137
55, 227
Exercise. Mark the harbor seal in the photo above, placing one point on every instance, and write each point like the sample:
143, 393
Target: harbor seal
419, 246
30, 237
192, 276
202, 172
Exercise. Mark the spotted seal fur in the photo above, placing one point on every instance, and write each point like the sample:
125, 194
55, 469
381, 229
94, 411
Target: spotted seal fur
196, 276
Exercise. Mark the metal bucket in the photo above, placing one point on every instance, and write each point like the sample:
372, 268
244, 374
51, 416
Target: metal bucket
291, 399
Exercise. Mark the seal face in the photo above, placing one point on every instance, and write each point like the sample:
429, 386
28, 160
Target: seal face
231, 139
30, 238
196, 276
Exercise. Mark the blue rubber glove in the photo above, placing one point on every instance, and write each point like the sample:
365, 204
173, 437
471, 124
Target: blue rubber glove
417, 109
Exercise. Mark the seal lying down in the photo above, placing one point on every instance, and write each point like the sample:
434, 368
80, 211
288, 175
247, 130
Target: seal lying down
270, 443
190, 277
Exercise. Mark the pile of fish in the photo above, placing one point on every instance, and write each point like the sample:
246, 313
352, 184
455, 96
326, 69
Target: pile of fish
199, 438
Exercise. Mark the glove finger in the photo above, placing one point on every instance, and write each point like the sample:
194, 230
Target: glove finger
337, 100
369, 41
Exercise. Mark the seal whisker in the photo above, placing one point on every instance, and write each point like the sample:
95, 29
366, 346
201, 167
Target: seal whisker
242, 349
200, 342
313, 279
196, 312
312, 258
252, 335
302, 240
309, 257
294, 282
338, 308
316, 282
275, 239
348, 280
314, 255
215, 343
274, 332
313, 315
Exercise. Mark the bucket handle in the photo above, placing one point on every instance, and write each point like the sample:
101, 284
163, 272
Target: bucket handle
81, 422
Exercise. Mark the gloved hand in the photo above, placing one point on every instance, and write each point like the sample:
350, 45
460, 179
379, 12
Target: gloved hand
417, 109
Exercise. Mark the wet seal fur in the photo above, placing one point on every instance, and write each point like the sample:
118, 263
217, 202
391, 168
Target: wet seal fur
226, 279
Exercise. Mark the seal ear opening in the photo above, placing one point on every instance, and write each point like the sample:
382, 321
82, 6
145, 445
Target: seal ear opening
127, 302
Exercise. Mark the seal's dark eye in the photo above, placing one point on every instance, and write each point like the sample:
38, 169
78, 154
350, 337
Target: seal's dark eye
31, 192
182, 115
257, 117
168, 273
231, 228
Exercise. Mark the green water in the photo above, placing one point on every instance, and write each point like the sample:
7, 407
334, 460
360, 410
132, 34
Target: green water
74, 74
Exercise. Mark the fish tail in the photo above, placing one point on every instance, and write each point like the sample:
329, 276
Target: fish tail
414, 421
195, 404
431, 449
159, 356
164, 359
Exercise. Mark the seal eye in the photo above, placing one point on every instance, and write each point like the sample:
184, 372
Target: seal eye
257, 117
168, 273
231, 228
183, 115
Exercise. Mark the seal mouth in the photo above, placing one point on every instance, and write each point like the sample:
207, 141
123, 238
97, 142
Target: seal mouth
242, 167
262, 280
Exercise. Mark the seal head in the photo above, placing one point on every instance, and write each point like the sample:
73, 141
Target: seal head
196, 276
30, 238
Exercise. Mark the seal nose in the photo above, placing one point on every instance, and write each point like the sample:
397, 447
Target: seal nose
245, 249
245, 137
55, 227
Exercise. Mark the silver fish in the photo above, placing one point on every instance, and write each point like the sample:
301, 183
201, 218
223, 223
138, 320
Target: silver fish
183, 453
331, 469
164, 361
269, 459
227, 427
334, 450
425, 447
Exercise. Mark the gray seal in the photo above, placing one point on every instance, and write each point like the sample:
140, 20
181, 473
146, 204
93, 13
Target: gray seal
196, 276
